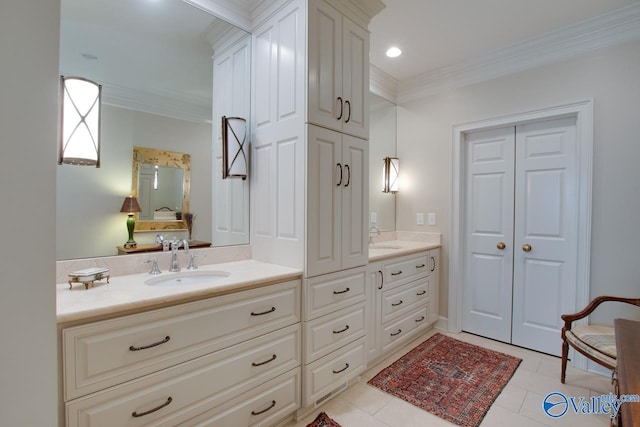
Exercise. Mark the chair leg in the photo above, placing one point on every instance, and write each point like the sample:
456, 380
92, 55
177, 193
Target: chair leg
565, 355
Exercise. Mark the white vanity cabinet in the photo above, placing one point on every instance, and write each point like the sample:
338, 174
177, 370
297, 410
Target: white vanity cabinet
434, 289
337, 201
233, 357
334, 332
399, 301
338, 62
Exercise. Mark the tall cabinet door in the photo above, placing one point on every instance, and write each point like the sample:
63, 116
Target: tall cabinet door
355, 79
355, 201
545, 245
488, 259
326, 176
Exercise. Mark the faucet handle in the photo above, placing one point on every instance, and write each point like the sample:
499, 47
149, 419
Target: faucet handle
154, 266
192, 261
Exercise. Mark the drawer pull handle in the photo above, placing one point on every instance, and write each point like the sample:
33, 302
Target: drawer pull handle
346, 366
397, 273
421, 293
264, 312
341, 292
144, 347
421, 266
381, 279
265, 362
433, 267
395, 304
420, 319
151, 411
273, 403
346, 328
396, 333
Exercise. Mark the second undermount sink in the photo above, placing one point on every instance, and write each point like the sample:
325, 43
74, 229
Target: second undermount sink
187, 278
382, 246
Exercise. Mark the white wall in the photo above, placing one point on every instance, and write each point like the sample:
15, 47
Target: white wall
610, 77
28, 105
89, 199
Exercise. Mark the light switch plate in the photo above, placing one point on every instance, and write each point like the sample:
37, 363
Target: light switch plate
431, 218
420, 219
374, 218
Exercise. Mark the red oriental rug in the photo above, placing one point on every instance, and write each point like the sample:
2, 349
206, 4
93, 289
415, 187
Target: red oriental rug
323, 420
452, 379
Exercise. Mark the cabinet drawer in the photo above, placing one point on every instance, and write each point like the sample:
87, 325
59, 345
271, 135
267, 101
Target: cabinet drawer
107, 353
163, 398
398, 331
331, 292
410, 267
326, 374
262, 406
328, 333
404, 298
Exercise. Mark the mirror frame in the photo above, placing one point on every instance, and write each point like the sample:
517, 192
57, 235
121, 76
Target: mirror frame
162, 158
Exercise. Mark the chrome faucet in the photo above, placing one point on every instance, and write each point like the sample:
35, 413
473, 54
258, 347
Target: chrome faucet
373, 228
175, 245
164, 241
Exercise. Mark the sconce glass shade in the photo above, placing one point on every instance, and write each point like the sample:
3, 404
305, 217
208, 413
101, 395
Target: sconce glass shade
234, 157
80, 114
390, 175
130, 206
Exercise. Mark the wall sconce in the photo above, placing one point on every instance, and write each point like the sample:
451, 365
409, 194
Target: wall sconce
80, 115
130, 206
390, 175
234, 158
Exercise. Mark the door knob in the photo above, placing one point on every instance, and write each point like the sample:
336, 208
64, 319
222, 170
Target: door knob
526, 247
501, 245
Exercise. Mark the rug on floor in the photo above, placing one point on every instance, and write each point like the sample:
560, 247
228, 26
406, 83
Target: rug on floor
452, 379
323, 420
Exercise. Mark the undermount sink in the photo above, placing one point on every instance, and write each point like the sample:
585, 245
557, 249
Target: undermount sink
380, 246
187, 278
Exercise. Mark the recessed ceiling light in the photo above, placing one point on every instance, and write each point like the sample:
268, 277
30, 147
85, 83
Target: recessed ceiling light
393, 52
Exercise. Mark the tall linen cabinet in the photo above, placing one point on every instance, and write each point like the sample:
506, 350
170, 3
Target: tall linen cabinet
309, 174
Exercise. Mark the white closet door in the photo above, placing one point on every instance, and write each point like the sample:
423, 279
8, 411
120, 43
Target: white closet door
545, 232
489, 225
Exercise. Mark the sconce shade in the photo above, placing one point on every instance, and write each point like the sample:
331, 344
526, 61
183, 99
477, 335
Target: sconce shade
234, 157
390, 175
129, 206
80, 128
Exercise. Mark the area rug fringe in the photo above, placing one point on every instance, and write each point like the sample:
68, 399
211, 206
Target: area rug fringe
323, 420
452, 379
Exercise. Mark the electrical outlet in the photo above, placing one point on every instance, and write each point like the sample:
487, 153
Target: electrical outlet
374, 218
420, 219
431, 218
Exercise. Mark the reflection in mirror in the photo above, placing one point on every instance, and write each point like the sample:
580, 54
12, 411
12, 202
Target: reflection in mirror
155, 61
161, 180
382, 143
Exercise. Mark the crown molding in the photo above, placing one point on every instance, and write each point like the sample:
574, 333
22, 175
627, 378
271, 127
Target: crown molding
176, 106
607, 30
360, 11
382, 84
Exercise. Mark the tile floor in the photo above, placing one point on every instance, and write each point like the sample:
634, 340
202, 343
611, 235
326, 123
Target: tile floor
519, 404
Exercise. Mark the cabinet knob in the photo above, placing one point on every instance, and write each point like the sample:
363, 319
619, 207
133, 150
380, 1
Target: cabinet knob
526, 247
501, 246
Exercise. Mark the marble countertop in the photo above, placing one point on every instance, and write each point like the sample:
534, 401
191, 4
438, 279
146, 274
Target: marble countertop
124, 294
394, 248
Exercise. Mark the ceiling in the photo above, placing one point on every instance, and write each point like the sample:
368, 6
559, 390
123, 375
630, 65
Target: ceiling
435, 34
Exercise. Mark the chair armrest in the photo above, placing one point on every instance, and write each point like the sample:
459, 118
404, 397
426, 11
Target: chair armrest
569, 318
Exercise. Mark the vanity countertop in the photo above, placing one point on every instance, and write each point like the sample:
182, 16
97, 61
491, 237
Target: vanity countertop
394, 248
127, 294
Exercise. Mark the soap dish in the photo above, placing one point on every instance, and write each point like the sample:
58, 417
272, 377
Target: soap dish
88, 276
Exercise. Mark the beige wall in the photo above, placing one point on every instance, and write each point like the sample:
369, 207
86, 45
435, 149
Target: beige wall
28, 105
610, 77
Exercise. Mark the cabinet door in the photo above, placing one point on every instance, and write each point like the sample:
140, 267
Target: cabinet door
326, 102
434, 284
326, 176
355, 79
355, 202
375, 279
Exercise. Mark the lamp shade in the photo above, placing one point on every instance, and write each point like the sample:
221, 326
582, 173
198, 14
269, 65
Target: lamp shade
234, 156
390, 175
130, 205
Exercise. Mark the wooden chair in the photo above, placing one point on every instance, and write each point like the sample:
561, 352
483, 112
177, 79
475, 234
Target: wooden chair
595, 342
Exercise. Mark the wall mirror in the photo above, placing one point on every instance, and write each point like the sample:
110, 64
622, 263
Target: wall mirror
156, 61
382, 143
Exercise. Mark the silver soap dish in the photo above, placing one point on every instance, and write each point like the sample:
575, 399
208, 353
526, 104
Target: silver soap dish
88, 276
